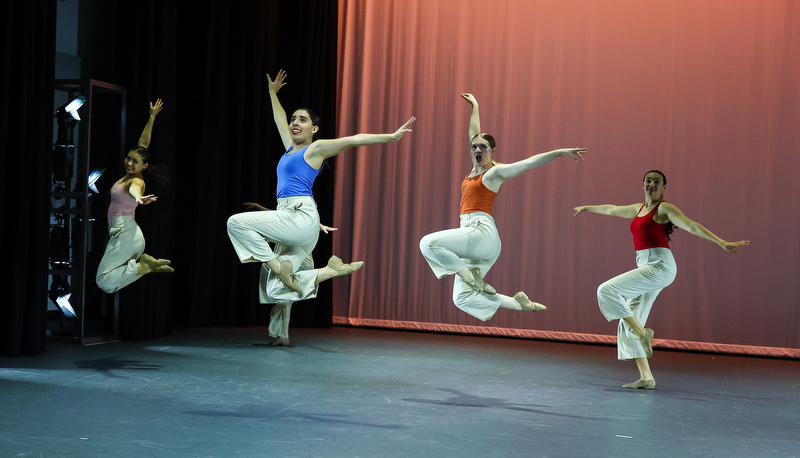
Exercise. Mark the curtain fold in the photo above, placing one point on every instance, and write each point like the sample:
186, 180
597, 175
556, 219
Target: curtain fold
27, 49
705, 91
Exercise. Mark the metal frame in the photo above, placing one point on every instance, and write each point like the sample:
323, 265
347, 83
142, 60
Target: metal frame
89, 89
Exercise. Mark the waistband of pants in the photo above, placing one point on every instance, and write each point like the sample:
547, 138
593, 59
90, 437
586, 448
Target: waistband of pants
291, 200
126, 218
655, 251
466, 217
296, 202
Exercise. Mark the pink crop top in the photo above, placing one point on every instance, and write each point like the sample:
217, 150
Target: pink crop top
122, 204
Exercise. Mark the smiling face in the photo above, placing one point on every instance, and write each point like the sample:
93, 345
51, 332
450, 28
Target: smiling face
134, 164
654, 184
302, 128
482, 150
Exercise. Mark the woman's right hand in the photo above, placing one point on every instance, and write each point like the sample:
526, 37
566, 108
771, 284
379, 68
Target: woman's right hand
470, 98
275, 86
254, 206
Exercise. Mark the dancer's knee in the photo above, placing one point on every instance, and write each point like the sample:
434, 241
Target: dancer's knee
604, 291
233, 223
426, 245
103, 285
604, 296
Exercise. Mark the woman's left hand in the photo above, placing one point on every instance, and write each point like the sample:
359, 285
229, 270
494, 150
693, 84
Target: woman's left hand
732, 246
148, 199
327, 229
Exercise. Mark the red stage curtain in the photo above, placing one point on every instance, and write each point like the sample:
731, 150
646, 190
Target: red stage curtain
706, 91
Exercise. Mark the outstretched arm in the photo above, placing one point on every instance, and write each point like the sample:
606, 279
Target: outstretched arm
475, 117
495, 176
624, 211
278, 113
136, 189
322, 149
682, 221
144, 139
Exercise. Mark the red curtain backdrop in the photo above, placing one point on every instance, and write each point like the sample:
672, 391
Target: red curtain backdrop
705, 90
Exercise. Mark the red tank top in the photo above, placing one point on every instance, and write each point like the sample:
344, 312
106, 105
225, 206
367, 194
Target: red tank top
647, 233
475, 197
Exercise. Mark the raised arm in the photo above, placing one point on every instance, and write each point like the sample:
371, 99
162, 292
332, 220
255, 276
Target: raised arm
622, 211
682, 221
320, 150
278, 113
495, 176
144, 139
475, 117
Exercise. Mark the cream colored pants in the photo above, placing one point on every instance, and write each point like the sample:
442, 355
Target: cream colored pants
293, 230
633, 294
476, 243
125, 246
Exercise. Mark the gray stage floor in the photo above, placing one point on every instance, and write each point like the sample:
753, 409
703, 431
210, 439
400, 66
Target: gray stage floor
346, 392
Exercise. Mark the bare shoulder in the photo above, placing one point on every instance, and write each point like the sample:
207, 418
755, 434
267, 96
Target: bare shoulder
667, 212
631, 210
318, 148
667, 207
133, 181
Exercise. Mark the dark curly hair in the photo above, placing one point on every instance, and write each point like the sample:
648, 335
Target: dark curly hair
158, 172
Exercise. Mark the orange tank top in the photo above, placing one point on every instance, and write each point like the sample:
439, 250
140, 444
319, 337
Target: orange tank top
475, 197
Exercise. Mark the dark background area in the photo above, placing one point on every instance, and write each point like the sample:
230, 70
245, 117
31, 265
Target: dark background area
207, 61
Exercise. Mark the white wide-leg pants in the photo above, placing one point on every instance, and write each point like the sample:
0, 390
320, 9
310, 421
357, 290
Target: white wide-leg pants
293, 229
476, 243
282, 311
633, 294
125, 246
